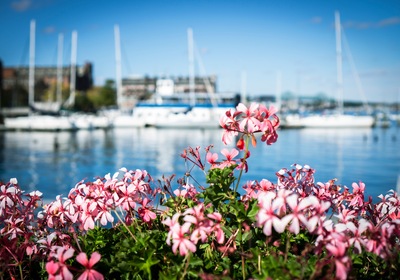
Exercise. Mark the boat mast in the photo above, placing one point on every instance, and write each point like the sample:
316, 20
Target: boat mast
209, 88
32, 63
278, 90
72, 85
355, 72
339, 62
59, 68
118, 65
244, 87
191, 66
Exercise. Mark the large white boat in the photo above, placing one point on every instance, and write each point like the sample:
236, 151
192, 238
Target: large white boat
335, 119
40, 123
179, 111
170, 109
328, 121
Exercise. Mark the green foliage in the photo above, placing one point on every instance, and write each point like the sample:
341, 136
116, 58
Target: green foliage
370, 266
83, 103
220, 181
103, 96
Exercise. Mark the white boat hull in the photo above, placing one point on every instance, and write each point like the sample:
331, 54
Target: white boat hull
328, 121
171, 117
39, 122
127, 121
91, 122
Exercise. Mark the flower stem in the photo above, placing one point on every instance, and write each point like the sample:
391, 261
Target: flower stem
186, 266
243, 270
246, 150
124, 224
20, 271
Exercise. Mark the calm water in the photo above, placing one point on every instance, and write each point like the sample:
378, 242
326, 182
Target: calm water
55, 162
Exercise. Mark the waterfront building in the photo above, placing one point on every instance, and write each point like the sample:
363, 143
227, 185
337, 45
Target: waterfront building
14, 82
141, 88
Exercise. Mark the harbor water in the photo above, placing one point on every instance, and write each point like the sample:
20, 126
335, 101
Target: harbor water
53, 162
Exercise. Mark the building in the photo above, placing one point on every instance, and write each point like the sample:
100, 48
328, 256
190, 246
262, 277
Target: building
14, 82
140, 88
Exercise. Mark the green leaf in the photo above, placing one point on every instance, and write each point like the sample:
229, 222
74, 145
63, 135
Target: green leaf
253, 209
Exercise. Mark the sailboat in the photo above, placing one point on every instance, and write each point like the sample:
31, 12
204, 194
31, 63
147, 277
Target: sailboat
169, 109
35, 121
82, 120
337, 119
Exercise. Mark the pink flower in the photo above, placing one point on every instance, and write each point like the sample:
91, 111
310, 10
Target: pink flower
47, 242
52, 269
6, 193
357, 240
298, 213
182, 193
104, 215
13, 228
227, 136
230, 155
212, 159
145, 213
179, 235
126, 197
249, 122
266, 185
171, 223
189, 191
268, 126
89, 273
342, 267
60, 269
181, 241
86, 215
228, 122
358, 195
266, 216
217, 229
346, 215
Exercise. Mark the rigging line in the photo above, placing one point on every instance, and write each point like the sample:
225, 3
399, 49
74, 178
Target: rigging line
355, 73
24, 53
53, 62
209, 88
126, 58
55, 55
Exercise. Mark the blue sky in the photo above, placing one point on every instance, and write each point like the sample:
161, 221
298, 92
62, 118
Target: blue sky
259, 38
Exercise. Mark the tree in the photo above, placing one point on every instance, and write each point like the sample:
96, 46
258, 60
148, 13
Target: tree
103, 96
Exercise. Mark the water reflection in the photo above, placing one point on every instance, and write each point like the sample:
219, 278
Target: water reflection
54, 162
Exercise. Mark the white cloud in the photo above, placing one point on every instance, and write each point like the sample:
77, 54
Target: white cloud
366, 25
49, 29
21, 5
316, 20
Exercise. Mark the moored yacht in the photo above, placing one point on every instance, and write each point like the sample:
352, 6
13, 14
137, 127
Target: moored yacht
171, 108
335, 119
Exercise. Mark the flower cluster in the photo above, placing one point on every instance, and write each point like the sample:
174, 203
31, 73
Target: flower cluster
246, 121
17, 223
297, 204
197, 227
56, 224
57, 266
89, 203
